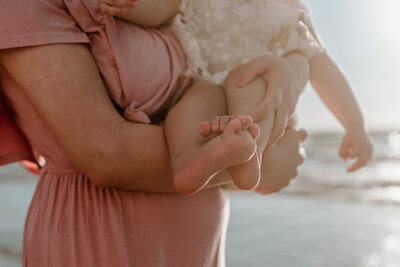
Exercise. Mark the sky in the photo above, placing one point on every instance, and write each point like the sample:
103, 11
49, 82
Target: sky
363, 36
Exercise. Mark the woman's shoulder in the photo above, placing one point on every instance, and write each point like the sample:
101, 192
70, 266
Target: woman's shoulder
37, 22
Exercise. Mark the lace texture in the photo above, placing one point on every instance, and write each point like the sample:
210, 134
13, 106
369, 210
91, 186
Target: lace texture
217, 35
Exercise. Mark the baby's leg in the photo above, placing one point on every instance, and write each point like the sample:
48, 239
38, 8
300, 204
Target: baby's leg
242, 101
194, 159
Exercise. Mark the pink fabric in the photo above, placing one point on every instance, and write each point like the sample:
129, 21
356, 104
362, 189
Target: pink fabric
14, 146
135, 62
71, 222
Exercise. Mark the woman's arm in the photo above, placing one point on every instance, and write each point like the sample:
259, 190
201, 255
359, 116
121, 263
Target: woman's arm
63, 83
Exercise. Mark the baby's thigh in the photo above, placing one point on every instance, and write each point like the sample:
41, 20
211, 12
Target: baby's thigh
200, 102
244, 99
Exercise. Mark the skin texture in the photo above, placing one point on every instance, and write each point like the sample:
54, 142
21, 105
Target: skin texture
280, 91
331, 85
275, 169
116, 7
149, 13
274, 161
67, 91
195, 159
286, 78
329, 82
242, 101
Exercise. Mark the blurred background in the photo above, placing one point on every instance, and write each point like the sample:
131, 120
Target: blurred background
326, 217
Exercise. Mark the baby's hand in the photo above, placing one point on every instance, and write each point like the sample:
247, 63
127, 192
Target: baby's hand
116, 7
356, 144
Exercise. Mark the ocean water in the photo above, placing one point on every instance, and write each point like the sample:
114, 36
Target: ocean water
324, 172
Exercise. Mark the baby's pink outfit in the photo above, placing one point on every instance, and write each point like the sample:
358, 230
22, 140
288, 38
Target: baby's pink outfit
71, 222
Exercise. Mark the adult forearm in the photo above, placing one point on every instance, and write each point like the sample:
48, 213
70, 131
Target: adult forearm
68, 93
148, 168
139, 160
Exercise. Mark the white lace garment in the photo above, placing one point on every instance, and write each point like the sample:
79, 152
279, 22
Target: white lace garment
217, 35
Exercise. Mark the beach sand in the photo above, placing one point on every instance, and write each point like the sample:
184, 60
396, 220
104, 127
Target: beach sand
279, 230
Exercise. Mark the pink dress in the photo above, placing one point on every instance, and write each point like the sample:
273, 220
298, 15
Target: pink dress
71, 222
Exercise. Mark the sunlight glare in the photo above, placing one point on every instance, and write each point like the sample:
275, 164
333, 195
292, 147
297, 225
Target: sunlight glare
386, 20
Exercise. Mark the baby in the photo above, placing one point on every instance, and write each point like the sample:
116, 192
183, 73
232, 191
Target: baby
218, 35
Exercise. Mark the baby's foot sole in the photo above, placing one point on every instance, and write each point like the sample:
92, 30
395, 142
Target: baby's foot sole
246, 176
194, 169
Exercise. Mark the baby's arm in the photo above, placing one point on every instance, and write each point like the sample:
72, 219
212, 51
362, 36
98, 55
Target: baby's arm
151, 13
331, 85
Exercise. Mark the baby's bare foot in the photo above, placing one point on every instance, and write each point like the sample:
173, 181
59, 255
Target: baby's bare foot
247, 175
213, 128
235, 145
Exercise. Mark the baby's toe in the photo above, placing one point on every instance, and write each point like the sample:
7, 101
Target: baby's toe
246, 121
215, 123
254, 130
223, 122
233, 126
204, 128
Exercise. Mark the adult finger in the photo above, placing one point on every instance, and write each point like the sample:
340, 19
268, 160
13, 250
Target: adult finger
281, 120
293, 121
272, 100
223, 122
274, 187
215, 122
121, 3
303, 134
254, 68
303, 154
277, 90
112, 11
263, 190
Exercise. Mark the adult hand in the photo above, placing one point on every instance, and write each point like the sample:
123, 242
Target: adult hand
286, 78
281, 161
116, 7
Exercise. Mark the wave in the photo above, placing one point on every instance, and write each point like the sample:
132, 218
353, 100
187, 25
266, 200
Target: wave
324, 173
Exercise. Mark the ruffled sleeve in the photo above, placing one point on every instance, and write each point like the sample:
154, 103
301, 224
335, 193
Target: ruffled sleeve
302, 37
196, 64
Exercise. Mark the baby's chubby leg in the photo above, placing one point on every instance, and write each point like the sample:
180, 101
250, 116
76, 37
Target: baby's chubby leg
242, 101
195, 159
